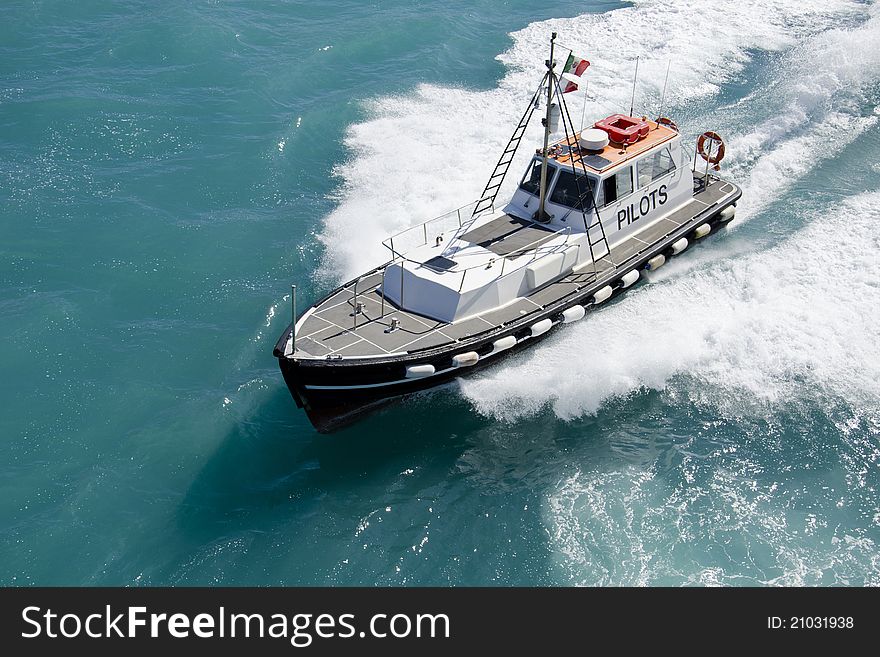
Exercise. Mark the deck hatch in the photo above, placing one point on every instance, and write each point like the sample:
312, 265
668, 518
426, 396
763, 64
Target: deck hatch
596, 162
441, 263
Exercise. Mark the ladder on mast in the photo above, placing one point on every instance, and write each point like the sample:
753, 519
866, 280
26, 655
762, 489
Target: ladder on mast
586, 195
493, 185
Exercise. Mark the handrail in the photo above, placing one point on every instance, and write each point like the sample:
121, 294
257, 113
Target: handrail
535, 257
399, 257
439, 270
355, 311
422, 229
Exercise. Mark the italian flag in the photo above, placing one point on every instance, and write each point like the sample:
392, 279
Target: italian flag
574, 66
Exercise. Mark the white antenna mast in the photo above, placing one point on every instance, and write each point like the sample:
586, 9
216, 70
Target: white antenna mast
663, 97
635, 79
584, 110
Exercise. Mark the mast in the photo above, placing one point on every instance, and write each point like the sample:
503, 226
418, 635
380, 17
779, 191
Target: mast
663, 97
632, 103
541, 215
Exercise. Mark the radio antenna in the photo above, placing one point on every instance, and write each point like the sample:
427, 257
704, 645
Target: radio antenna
663, 97
584, 110
635, 79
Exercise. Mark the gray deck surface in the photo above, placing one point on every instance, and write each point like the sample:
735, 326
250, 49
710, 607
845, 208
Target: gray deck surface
330, 329
508, 235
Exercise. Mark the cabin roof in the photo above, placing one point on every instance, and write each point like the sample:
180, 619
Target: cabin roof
613, 154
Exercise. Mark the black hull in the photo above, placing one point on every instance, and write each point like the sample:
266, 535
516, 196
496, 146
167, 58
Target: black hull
330, 410
335, 393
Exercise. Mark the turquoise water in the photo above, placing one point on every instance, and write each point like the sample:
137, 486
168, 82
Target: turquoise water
169, 168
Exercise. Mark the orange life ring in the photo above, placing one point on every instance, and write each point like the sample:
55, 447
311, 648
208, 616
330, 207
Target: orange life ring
706, 153
669, 123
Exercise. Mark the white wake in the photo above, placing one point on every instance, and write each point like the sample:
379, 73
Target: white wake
753, 322
424, 153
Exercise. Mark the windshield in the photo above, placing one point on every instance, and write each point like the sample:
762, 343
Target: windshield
532, 181
566, 191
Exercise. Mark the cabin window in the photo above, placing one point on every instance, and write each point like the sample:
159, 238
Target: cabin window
618, 185
532, 180
655, 166
566, 190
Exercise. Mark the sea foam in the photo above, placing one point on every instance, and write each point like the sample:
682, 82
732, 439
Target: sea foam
709, 322
424, 153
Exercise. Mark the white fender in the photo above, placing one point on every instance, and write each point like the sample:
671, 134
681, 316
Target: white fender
727, 214
466, 359
656, 262
602, 294
702, 231
540, 327
679, 245
503, 343
630, 277
419, 371
573, 314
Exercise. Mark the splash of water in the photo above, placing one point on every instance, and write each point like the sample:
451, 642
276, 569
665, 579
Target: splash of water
700, 325
389, 183
756, 322
767, 326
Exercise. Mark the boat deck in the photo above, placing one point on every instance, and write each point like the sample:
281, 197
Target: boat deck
508, 235
334, 330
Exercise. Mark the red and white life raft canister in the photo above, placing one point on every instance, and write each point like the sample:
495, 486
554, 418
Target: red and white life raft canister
623, 129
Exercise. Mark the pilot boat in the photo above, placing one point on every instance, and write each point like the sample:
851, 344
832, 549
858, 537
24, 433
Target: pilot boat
595, 209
